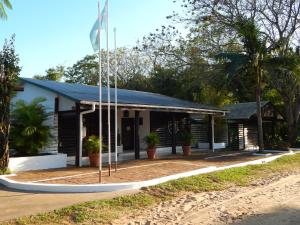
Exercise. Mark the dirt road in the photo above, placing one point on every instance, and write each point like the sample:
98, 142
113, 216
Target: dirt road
267, 202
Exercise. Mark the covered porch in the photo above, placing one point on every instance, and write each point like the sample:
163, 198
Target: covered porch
134, 123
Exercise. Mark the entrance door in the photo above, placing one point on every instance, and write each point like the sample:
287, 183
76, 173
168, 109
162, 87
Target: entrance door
128, 133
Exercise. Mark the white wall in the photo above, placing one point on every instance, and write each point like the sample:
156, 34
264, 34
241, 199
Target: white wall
31, 92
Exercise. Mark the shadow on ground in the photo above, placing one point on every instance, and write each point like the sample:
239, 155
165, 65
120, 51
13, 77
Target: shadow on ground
279, 216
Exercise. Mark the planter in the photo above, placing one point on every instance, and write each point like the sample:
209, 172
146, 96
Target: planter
186, 150
151, 153
40, 162
94, 159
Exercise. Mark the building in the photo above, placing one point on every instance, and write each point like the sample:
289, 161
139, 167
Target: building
74, 109
242, 124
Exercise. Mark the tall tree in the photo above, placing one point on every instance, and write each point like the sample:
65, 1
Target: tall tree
9, 71
285, 80
276, 21
4, 4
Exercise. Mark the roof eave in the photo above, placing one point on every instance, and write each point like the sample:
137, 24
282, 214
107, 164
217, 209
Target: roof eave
168, 108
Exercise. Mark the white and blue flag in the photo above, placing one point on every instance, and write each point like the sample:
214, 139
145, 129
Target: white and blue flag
94, 34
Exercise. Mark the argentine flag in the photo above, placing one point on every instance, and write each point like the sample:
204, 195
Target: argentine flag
94, 34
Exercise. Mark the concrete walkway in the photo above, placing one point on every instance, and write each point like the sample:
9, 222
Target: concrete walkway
14, 204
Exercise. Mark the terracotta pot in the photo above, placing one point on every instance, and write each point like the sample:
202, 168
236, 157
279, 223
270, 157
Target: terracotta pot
94, 159
186, 150
151, 153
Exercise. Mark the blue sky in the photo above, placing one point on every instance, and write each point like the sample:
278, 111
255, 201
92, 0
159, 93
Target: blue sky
56, 32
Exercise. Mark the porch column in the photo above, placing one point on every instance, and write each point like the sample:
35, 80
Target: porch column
212, 132
136, 134
77, 149
173, 133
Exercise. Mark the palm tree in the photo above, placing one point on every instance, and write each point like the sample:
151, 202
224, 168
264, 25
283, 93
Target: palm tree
29, 134
250, 62
4, 4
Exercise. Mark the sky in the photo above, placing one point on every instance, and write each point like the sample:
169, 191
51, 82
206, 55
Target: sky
56, 32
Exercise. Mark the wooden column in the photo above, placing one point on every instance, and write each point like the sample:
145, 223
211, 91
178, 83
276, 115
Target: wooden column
211, 132
136, 134
173, 133
77, 149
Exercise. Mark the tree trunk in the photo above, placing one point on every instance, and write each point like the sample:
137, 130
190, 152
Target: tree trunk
292, 124
4, 150
4, 132
258, 107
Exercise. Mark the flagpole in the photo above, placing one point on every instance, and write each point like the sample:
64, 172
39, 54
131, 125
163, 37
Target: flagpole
100, 94
108, 95
116, 102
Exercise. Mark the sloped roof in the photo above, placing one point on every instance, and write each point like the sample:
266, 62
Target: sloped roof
86, 93
243, 110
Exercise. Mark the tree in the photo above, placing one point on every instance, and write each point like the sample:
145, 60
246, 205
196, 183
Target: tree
55, 74
29, 134
9, 71
284, 75
3, 4
129, 64
276, 23
250, 62
182, 68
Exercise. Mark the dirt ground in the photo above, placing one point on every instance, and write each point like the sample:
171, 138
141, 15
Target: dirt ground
275, 201
137, 170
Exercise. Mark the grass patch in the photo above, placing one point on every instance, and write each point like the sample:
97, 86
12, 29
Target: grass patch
105, 211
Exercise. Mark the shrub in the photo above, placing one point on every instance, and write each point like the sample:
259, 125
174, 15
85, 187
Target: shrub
186, 137
29, 134
92, 144
152, 140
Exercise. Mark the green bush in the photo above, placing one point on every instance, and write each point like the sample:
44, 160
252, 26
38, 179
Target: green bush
186, 137
92, 144
29, 134
152, 140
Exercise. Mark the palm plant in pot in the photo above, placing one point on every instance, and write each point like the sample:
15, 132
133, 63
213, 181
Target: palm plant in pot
92, 144
186, 138
152, 141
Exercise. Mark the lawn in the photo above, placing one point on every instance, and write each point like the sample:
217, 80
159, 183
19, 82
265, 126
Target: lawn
105, 211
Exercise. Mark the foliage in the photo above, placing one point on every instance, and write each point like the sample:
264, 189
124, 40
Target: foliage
4, 171
152, 140
130, 65
92, 144
9, 71
29, 134
85, 71
55, 74
106, 211
186, 137
261, 29
3, 4
284, 76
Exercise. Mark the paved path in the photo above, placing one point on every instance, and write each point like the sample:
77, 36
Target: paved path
15, 204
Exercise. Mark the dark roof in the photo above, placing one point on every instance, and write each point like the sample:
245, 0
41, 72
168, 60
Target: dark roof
241, 111
87, 93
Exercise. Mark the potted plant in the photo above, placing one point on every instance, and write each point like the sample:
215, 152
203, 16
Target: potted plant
91, 145
186, 138
152, 141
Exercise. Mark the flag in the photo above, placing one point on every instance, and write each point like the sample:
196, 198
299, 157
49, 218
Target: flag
94, 34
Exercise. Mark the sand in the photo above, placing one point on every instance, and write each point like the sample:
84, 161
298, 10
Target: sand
275, 201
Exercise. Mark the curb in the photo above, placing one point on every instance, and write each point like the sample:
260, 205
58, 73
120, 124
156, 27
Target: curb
110, 187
